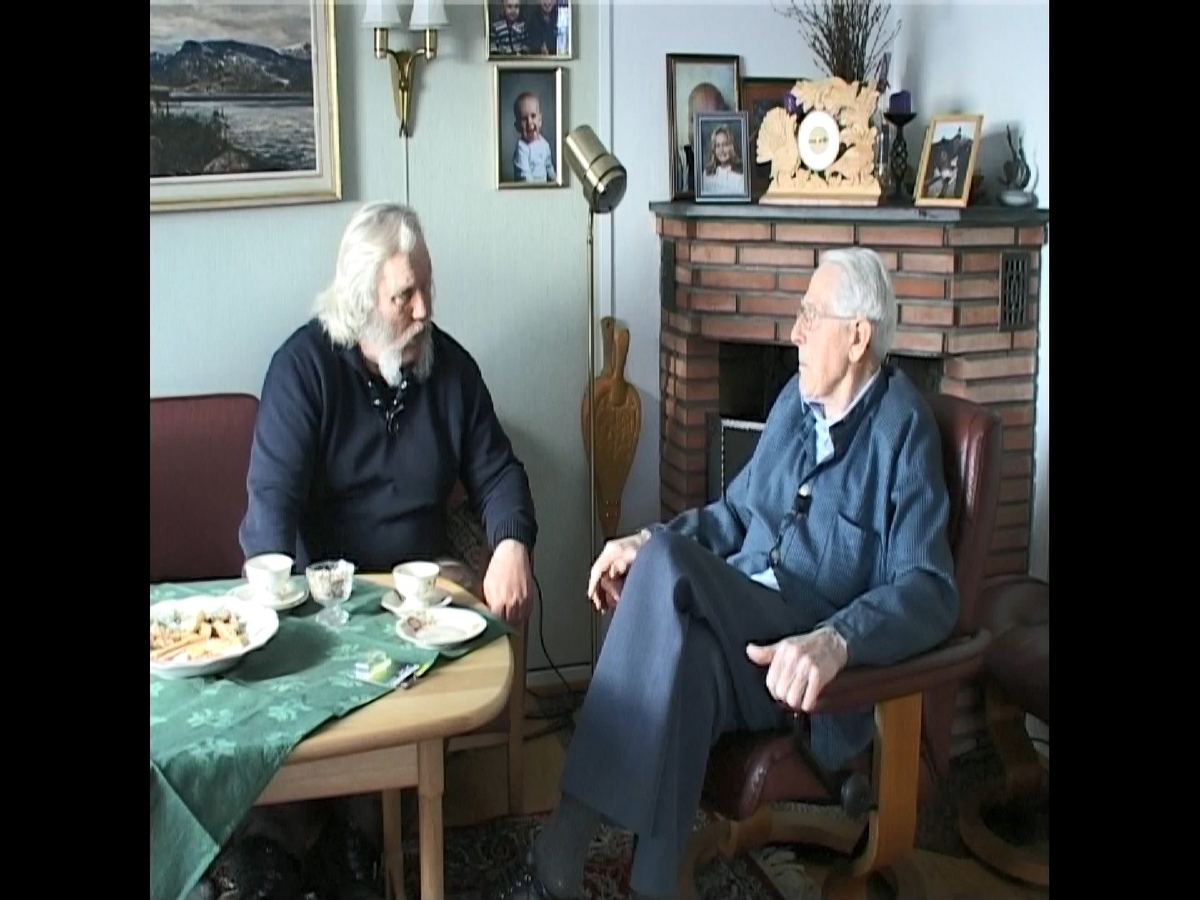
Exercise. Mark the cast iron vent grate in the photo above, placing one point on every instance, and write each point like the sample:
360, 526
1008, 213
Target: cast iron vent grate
1014, 289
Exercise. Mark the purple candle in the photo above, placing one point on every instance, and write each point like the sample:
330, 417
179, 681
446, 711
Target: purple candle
900, 103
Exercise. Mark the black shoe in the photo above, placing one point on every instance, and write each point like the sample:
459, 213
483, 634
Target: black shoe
345, 864
518, 881
254, 868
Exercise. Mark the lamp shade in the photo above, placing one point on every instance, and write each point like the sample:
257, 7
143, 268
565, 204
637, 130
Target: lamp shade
381, 14
428, 14
601, 175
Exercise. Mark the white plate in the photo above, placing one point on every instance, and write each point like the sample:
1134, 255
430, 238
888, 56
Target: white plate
443, 627
261, 625
297, 593
392, 603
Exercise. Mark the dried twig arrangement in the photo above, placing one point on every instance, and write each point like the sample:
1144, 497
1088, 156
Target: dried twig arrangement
848, 37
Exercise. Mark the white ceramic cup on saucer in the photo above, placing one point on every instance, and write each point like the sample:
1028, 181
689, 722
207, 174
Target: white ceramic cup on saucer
269, 573
415, 583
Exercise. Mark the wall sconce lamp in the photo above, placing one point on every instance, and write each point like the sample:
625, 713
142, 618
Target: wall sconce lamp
427, 16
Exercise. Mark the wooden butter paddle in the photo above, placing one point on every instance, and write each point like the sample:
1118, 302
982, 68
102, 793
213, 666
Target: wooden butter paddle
618, 422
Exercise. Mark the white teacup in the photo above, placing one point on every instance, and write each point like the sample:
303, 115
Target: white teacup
415, 582
269, 572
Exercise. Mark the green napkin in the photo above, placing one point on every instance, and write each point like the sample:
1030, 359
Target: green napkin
216, 742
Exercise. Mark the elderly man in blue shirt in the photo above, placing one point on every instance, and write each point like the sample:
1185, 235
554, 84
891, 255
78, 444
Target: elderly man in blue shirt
829, 549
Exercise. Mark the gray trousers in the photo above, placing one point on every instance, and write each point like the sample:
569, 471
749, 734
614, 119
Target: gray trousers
671, 678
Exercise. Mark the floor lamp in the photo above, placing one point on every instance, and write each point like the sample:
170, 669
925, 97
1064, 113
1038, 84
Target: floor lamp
602, 180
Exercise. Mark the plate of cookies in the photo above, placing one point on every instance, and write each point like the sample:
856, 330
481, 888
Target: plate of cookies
206, 635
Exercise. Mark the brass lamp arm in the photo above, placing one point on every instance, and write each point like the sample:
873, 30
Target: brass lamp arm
403, 63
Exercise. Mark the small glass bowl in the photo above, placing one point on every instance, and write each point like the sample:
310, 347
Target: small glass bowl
330, 583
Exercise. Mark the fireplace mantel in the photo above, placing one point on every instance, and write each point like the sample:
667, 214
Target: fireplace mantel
885, 214
967, 288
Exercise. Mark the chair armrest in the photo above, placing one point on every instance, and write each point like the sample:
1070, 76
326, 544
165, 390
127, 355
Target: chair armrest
856, 687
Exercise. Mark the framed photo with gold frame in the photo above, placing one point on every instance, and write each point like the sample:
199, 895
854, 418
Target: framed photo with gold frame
948, 161
528, 125
760, 96
529, 29
227, 133
696, 83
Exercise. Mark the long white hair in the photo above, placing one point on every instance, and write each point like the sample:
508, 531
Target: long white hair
376, 233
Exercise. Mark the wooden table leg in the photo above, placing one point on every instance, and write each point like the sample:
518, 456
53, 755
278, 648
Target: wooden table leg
393, 846
430, 783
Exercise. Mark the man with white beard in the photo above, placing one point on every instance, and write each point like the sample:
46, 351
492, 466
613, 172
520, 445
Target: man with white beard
370, 414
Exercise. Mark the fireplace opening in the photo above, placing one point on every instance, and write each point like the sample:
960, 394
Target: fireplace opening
749, 381
751, 376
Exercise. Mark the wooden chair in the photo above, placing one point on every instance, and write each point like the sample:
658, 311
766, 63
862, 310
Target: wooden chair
913, 702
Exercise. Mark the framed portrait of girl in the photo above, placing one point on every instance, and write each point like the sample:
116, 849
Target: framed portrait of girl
723, 171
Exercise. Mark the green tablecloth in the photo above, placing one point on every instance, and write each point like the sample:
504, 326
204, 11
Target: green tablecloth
216, 742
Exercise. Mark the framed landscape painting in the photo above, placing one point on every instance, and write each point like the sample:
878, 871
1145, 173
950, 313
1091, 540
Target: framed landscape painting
243, 104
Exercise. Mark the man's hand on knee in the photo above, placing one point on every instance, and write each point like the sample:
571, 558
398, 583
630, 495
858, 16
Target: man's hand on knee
799, 667
612, 565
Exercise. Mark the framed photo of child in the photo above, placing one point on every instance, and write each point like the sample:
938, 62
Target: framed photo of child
528, 125
696, 83
529, 28
948, 161
724, 165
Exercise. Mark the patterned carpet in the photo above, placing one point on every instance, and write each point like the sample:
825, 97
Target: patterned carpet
473, 853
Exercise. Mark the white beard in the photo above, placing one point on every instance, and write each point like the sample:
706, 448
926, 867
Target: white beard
391, 359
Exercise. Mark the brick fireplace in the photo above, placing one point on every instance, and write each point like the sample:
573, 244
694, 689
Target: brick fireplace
967, 286
732, 277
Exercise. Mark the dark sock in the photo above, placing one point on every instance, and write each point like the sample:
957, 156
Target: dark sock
560, 851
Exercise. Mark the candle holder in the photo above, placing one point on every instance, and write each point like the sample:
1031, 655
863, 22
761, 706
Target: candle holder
899, 159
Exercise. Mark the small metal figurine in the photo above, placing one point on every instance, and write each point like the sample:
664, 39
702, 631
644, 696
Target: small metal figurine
1016, 174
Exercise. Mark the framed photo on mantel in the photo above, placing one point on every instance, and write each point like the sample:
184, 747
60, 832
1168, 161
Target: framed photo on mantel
696, 83
722, 173
948, 161
760, 96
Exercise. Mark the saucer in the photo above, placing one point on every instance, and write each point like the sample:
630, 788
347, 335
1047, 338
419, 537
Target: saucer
440, 629
393, 603
296, 594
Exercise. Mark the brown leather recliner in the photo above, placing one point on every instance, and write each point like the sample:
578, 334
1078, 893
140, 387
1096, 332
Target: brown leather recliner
913, 700
199, 457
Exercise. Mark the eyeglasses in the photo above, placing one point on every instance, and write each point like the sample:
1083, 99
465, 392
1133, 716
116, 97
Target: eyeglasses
808, 316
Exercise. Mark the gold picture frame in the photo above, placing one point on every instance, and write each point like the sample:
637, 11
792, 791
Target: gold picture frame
504, 42
947, 166
266, 138
524, 167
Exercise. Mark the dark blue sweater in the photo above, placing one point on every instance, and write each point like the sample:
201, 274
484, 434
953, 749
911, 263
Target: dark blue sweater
327, 479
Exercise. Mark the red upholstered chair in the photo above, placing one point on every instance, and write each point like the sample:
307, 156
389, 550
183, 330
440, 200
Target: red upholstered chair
199, 457
914, 709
